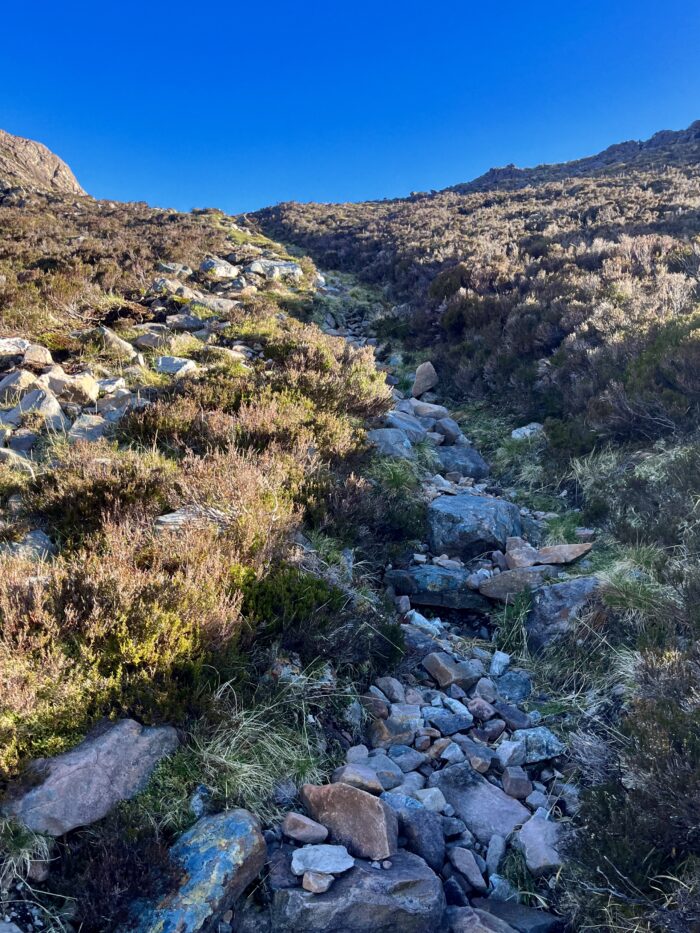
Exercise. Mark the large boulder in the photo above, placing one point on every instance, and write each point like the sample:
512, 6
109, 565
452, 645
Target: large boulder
391, 442
82, 785
484, 807
218, 858
432, 585
406, 898
554, 609
366, 825
469, 525
462, 459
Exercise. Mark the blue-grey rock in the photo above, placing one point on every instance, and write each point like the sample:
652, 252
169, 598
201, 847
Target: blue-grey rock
555, 607
391, 442
218, 857
514, 686
462, 459
422, 830
484, 807
406, 898
521, 918
468, 525
432, 585
448, 723
540, 744
409, 424
400, 802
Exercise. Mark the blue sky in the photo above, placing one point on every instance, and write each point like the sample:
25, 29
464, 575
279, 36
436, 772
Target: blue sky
240, 105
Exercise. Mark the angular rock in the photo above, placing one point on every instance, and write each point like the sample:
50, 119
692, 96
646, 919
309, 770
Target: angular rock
174, 365
431, 585
446, 671
515, 685
555, 607
356, 819
300, 828
562, 553
316, 882
361, 776
484, 807
83, 785
516, 783
406, 898
539, 744
88, 428
521, 918
391, 442
35, 545
527, 431
463, 459
422, 830
505, 586
219, 268
331, 860
538, 841
410, 425
15, 386
426, 379
428, 410
41, 403
465, 863
218, 857
449, 429
468, 920
469, 525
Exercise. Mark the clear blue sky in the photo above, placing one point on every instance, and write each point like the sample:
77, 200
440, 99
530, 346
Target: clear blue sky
240, 105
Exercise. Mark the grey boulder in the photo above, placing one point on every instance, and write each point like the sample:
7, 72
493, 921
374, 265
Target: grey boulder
468, 525
432, 585
390, 442
462, 459
81, 786
406, 898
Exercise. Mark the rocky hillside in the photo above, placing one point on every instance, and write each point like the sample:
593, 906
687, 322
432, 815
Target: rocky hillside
28, 164
299, 635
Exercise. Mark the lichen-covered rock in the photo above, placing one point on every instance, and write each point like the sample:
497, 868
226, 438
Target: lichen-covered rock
84, 784
555, 607
406, 898
218, 857
468, 525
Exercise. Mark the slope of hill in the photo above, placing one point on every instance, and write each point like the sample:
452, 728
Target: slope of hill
28, 164
227, 482
663, 149
574, 297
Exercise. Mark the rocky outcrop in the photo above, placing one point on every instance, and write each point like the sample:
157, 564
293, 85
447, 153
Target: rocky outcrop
28, 164
84, 784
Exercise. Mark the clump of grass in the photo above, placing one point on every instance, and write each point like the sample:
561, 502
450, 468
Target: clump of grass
20, 848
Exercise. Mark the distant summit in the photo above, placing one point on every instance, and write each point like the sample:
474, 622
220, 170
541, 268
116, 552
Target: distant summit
28, 164
667, 147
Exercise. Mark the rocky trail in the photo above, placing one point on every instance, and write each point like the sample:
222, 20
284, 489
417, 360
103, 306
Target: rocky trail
455, 776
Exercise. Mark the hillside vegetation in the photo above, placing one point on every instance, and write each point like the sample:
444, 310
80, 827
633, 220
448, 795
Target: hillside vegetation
573, 295
570, 295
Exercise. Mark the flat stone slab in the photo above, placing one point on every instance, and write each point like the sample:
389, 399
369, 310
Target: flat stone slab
83, 785
331, 860
505, 586
485, 809
358, 820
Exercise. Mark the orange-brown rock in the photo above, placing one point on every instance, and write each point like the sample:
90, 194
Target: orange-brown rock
364, 824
